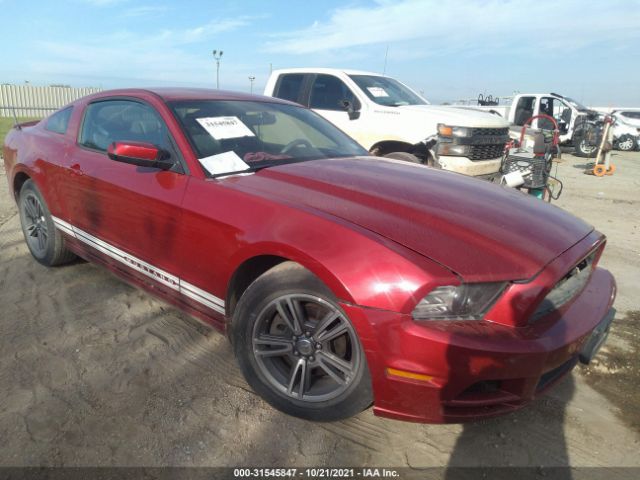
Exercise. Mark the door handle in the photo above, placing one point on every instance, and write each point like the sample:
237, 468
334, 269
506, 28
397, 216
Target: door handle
76, 169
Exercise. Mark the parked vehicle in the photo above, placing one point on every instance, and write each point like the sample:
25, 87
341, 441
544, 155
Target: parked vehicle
578, 125
342, 280
629, 117
389, 119
626, 130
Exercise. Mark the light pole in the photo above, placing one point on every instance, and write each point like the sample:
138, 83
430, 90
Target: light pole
251, 79
217, 55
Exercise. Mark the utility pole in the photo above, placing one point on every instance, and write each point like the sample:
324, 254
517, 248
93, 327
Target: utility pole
384, 70
251, 79
217, 55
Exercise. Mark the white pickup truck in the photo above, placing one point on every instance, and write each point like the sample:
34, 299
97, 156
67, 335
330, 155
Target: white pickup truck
389, 119
575, 121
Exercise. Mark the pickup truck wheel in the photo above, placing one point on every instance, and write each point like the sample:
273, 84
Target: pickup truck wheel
584, 149
404, 156
625, 143
45, 242
585, 141
298, 349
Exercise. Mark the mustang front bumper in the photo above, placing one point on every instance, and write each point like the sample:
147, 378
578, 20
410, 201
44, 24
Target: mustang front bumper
455, 371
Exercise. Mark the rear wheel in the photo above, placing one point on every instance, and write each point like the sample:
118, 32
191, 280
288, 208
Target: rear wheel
45, 242
298, 349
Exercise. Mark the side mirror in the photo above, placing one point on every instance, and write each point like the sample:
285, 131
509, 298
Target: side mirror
353, 112
140, 154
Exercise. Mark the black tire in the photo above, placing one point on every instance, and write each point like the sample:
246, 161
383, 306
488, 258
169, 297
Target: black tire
404, 156
255, 311
625, 143
43, 239
585, 142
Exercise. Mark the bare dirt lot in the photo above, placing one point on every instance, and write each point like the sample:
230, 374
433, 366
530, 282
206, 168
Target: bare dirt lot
96, 373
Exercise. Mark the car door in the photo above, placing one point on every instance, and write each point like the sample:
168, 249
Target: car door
327, 95
129, 214
525, 109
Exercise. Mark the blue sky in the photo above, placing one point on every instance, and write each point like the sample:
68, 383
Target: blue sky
589, 50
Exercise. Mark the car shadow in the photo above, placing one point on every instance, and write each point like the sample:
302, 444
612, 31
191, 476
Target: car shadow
508, 446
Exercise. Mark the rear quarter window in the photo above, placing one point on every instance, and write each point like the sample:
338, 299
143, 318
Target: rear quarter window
59, 121
289, 87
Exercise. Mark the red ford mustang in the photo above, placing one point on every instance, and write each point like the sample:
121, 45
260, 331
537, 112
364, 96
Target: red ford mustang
341, 279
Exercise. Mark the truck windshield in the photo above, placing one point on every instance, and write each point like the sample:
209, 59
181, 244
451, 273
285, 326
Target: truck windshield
575, 104
231, 136
387, 91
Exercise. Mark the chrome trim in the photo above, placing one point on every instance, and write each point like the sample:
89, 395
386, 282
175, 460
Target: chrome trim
151, 271
63, 226
202, 297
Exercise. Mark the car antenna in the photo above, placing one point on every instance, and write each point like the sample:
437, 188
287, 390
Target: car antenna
15, 119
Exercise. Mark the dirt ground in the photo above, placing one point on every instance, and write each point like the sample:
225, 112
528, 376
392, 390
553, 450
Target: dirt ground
96, 373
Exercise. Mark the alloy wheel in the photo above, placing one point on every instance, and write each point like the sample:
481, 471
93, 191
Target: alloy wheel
35, 224
626, 144
306, 348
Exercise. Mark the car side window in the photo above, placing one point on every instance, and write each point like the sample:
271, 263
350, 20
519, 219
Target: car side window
524, 110
59, 121
289, 87
108, 121
329, 93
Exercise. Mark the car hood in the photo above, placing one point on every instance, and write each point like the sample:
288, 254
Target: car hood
458, 116
479, 230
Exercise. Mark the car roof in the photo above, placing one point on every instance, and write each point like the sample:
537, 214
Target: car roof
180, 93
326, 70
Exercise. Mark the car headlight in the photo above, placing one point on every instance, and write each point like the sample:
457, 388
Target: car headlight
448, 131
452, 149
463, 302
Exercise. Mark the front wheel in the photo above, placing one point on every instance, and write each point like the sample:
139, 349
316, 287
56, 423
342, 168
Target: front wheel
625, 143
298, 349
586, 142
404, 156
45, 242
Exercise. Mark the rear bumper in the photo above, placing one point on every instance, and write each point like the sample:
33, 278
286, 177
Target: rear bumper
472, 370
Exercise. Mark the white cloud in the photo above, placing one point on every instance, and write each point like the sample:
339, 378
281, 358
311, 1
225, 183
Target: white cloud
167, 56
214, 27
438, 27
102, 3
144, 10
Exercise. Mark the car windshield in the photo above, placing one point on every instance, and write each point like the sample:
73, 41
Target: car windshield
387, 91
232, 136
575, 104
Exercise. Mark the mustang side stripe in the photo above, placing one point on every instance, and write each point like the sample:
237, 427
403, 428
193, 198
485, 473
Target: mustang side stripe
143, 267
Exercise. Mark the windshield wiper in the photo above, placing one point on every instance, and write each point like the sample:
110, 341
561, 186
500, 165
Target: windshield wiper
256, 167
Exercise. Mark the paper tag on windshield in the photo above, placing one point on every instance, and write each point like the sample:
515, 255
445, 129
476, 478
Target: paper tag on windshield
225, 127
377, 91
226, 162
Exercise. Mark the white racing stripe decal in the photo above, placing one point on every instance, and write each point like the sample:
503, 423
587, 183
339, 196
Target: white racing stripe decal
149, 270
63, 226
143, 267
201, 296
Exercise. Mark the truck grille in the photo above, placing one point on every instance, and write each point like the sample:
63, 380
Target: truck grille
567, 288
486, 152
496, 132
488, 143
